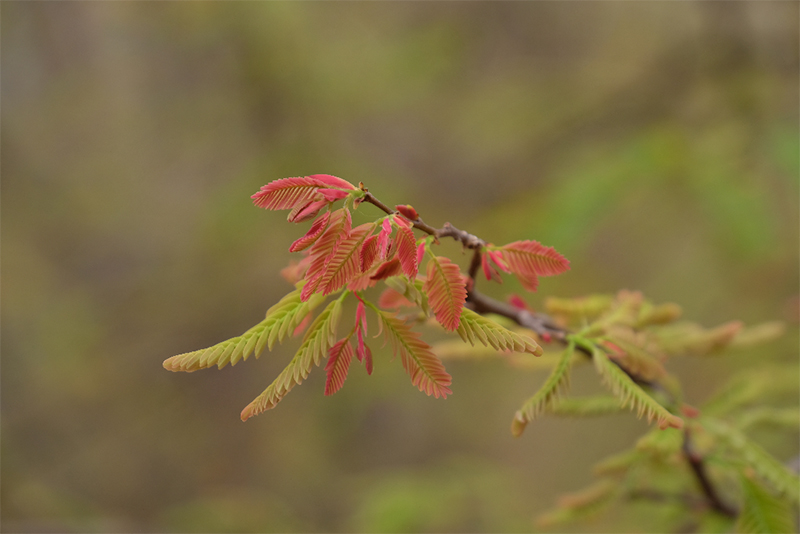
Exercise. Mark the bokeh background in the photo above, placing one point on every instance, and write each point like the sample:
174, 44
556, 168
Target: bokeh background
654, 144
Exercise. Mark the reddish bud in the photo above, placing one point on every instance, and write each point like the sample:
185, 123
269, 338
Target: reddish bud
407, 211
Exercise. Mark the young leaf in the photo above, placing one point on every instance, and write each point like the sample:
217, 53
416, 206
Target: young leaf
317, 341
383, 238
633, 358
338, 364
392, 299
557, 382
762, 512
306, 211
425, 369
530, 259
324, 248
362, 350
407, 251
474, 326
343, 264
387, 269
281, 320
754, 456
628, 392
313, 233
586, 406
446, 291
579, 309
369, 253
288, 193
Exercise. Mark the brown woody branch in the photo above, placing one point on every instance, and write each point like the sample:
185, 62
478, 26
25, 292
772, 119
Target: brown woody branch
544, 326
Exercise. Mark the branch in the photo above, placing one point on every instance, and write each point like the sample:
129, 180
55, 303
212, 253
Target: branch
544, 326
699, 469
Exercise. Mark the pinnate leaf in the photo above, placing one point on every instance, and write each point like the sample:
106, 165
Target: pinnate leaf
324, 248
281, 320
288, 193
343, 264
312, 235
762, 512
446, 291
475, 327
425, 369
547, 395
306, 211
407, 251
338, 364
530, 259
387, 269
629, 393
586, 406
369, 253
755, 457
317, 341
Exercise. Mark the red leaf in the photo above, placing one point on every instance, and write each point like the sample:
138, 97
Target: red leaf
332, 181
313, 233
332, 195
361, 282
338, 365
391, 298
302, 326
407, 211
368, 360
516, 301
446, 291
288, 193
383, 238
362, 350
343, 264
306, 211
488, 270
497, 258
407, 251
325, 247
420, 253
369, 253
389, 268
530, 259
293, 272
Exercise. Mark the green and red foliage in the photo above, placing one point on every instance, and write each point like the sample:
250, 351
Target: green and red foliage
627, 338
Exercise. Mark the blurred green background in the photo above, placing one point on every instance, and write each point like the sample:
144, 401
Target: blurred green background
653, 144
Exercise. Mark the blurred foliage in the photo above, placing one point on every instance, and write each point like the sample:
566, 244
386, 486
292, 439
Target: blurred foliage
655, 145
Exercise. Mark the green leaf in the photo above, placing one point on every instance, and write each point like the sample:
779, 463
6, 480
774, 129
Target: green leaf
281, 320
547, 394
419, 361
474, 327
629, 393
779, 417
763, 512
661, 443
579, 309
586, 406
754, 456
318, 339
582, 504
